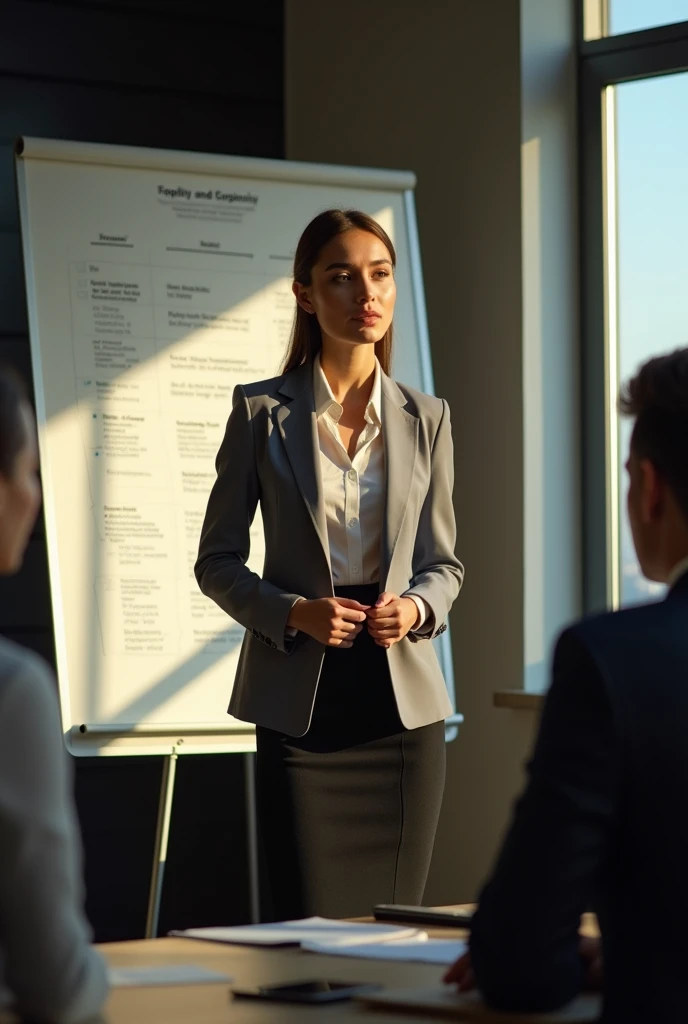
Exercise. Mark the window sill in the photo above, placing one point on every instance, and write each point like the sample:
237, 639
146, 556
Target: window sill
518, 700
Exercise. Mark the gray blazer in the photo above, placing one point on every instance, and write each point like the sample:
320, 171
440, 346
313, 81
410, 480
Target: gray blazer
270, 455
48, 970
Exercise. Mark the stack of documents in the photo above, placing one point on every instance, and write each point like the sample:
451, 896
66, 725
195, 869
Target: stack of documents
340, 938
309, 930
166, 974
426, 951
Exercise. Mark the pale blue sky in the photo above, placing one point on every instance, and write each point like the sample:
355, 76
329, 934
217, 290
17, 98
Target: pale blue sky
652, 166
633, 15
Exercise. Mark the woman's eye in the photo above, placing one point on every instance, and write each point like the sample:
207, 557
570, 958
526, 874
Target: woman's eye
345, 277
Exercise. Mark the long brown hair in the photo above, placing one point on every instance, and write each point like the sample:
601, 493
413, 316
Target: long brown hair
306, 338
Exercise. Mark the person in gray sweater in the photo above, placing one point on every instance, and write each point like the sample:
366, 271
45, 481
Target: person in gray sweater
48, 970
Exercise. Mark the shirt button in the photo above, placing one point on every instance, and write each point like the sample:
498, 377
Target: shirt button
354, 568
352, 474
352, 522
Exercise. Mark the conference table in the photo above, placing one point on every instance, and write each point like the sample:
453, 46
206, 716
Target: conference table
249, 966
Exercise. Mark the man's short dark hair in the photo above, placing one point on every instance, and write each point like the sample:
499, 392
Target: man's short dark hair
658, 399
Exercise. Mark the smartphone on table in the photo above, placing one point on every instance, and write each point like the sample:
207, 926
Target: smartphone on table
313, 992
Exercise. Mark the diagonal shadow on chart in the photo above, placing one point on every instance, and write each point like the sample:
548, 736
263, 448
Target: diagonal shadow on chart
130, 543
162, 690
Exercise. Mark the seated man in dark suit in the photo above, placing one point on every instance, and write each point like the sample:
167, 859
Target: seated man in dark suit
603, 821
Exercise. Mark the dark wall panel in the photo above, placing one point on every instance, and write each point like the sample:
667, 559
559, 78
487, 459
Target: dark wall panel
202, 49
207, 846
116, 798
16, 352
12, 297
205, 76
25, 598
127, 115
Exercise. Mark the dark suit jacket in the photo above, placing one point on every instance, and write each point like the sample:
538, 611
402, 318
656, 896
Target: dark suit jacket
603, 823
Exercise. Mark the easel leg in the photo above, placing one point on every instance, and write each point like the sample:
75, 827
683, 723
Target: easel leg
162, 835
252, 836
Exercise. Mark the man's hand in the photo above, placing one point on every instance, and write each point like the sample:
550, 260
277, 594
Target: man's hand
461, 973
333, 621
391, 618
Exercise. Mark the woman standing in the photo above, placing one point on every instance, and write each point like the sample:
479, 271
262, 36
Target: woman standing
354, 476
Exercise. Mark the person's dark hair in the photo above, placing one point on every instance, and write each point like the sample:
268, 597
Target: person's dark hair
658, 399
12, 430
306, 339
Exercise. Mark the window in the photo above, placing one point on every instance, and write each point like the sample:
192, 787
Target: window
616, 17
634, 15
635, 259
651, 253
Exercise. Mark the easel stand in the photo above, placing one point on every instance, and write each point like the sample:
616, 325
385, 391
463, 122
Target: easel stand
162, 835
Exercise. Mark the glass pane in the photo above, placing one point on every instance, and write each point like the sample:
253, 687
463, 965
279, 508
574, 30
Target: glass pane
634, 15
652, 254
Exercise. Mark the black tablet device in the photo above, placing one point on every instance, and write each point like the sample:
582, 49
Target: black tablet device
318, 991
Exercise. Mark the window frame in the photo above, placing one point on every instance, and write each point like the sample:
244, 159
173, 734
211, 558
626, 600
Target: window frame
604, 63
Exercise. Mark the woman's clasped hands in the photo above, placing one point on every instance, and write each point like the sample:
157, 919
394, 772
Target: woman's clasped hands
337, 621
391, 618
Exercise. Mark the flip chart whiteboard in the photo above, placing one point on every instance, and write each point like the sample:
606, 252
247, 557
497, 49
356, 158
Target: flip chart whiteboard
156, 282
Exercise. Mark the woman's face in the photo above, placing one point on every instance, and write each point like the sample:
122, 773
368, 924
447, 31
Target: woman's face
352, 290
20, 499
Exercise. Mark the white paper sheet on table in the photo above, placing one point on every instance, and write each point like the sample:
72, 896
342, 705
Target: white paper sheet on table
310, 929
167, 974
429, 951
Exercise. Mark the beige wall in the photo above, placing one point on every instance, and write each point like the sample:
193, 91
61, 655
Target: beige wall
552, 527
435, 86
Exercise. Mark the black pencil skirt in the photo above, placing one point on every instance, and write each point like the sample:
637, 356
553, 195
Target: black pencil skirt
347, 814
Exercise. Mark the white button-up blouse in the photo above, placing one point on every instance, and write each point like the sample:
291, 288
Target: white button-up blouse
353, 488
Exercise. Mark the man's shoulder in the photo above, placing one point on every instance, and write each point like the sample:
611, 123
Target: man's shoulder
621, 621
627, 639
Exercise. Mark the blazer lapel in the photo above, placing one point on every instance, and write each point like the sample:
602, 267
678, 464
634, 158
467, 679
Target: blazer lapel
298, 429
400, 433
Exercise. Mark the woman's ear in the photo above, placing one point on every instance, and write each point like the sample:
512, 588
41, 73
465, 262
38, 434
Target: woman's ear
302, 294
